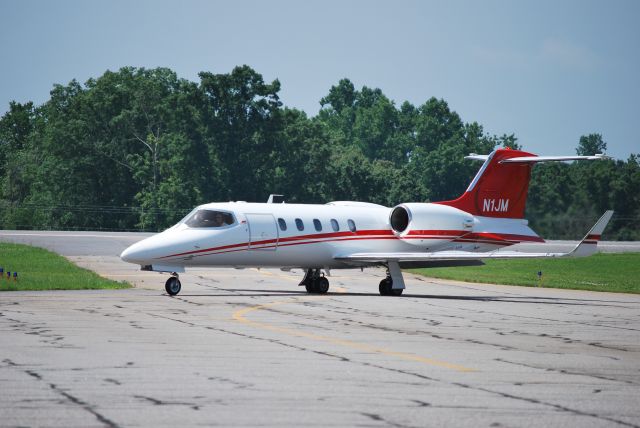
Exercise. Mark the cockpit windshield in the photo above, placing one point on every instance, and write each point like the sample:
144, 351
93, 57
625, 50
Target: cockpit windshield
185, 218
210, 218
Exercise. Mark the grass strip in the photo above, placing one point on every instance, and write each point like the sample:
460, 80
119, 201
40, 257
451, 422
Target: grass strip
618, 273
40, 269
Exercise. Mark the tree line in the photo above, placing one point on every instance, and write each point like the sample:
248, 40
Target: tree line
137, 148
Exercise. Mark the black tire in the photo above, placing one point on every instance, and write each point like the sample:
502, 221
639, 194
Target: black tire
396, 292
322, 285
310, 288
385, 287
172, 286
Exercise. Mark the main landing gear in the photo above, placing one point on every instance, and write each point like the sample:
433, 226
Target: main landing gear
315, 282
393, 284
173, 286
386, 288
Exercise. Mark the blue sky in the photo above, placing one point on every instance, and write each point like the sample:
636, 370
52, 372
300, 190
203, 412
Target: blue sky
547, 71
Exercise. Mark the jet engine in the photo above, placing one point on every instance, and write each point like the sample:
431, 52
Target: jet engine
426, 224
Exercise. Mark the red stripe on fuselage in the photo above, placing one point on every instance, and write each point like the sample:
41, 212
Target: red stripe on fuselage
289, 239
482, 238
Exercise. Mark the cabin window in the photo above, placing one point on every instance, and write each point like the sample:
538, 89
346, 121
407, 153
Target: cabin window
299, 224
352, 225
282, 224
210, 218
334, 225
317, 224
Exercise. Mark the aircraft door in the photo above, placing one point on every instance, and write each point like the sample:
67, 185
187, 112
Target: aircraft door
263, 232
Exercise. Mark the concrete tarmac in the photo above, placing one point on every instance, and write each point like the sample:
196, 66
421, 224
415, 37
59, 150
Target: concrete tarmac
250, 348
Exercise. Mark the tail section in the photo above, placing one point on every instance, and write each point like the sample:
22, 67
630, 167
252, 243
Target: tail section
498, 189
501, 186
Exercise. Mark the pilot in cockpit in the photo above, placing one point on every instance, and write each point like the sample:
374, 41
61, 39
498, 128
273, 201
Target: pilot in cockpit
218, 219
208, 218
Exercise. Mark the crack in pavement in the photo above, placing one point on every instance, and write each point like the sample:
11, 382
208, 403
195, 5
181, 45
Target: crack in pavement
546, 403
70, 397
376, 417
567, 372
566, 340
550, 320
158, 402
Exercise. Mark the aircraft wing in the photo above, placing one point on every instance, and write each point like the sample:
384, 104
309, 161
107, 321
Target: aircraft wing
440, 255
586, 247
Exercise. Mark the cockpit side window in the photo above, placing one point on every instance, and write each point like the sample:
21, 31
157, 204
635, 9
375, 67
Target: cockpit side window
210, 218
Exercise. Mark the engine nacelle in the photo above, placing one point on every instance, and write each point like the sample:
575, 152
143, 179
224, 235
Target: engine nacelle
429, 225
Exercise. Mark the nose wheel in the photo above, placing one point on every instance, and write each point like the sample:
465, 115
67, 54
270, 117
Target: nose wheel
173, 286
315, 283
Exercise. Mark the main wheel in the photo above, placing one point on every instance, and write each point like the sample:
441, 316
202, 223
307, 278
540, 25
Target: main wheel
322, 285
172, 286
395, 292
385, 287
310, 287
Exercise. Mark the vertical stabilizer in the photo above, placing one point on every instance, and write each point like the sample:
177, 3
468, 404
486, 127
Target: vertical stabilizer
499, 189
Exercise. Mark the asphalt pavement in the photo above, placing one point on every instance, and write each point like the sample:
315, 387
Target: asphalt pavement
250, 348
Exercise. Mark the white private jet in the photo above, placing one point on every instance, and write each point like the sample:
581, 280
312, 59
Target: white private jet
345, 234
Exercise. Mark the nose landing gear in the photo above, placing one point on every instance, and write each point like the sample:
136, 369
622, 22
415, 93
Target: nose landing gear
315, 282
173, 285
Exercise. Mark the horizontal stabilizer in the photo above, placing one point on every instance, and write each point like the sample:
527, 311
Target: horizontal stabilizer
533, 159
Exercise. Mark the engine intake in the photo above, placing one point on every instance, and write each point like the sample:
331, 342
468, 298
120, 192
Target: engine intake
399, 219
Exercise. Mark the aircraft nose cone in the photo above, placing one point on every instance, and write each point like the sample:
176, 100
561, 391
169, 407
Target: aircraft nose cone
133, 254
149, 250
125, 256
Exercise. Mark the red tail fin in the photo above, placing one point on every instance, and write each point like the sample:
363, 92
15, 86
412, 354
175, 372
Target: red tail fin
499, 189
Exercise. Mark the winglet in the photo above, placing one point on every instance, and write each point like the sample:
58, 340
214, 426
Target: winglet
589, 244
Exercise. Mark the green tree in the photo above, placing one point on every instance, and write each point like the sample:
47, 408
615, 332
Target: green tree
590, 145
241, 116
136, 148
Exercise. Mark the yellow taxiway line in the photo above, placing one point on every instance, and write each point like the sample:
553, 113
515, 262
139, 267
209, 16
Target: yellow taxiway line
240, 317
